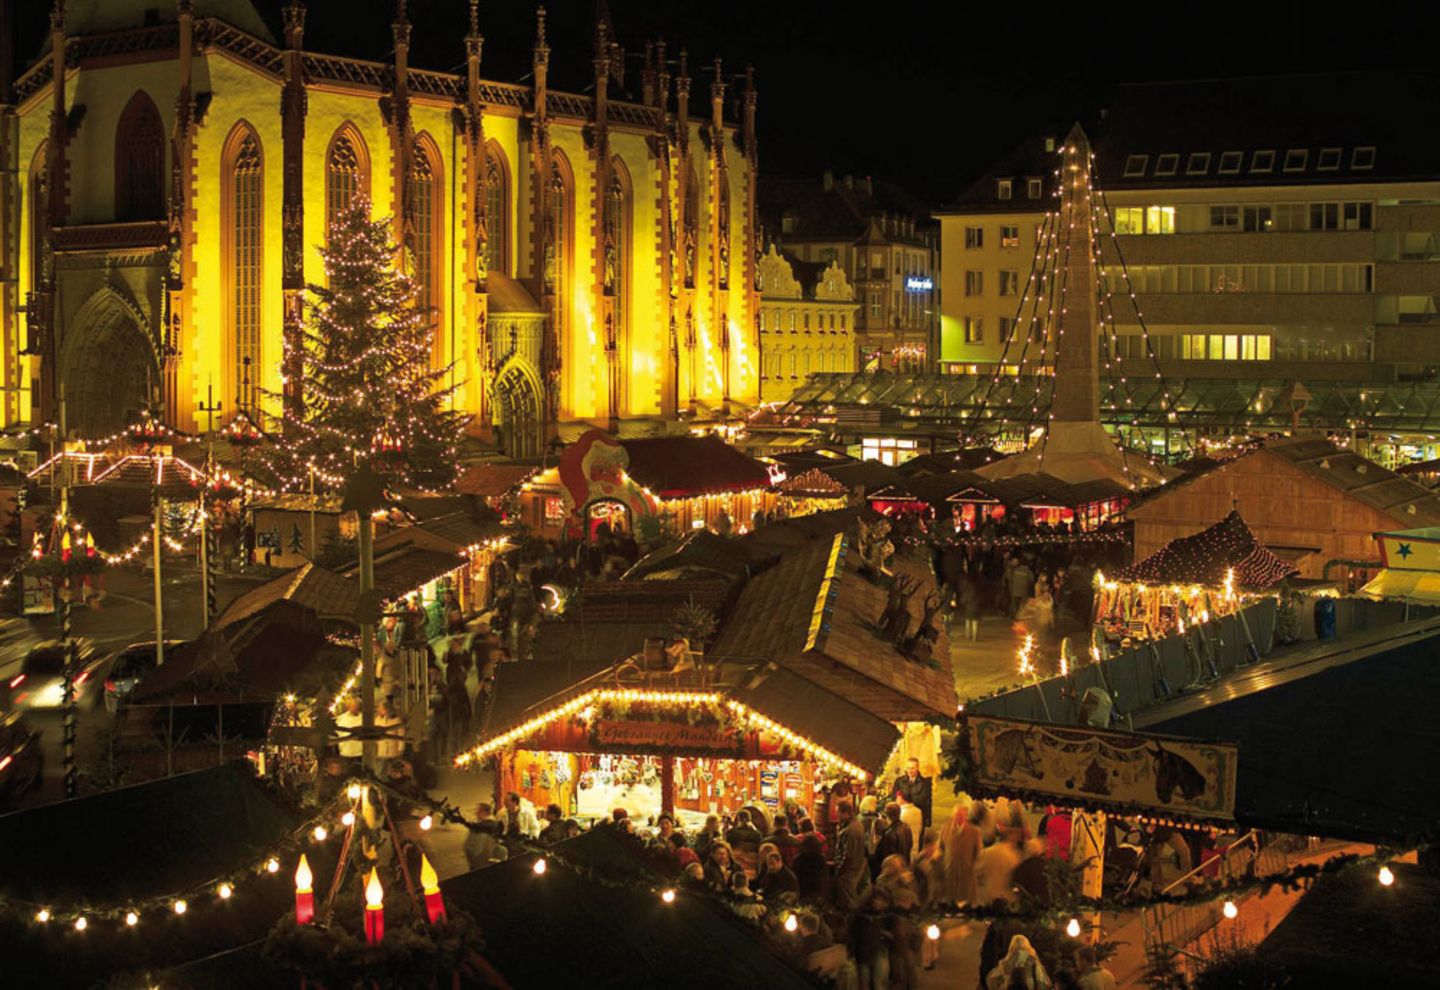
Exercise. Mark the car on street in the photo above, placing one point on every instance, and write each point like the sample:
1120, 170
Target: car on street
128, 667
21, 758
38, 681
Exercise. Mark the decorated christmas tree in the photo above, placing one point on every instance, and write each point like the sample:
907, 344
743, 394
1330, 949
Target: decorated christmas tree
371, 389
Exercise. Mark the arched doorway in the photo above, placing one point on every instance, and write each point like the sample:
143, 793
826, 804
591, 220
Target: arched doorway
108, 366
517, 404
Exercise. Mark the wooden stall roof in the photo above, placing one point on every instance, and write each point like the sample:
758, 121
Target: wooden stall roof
678, 467
814, 613
1208, 556
328, 595
698, 551
492, 480
801, 705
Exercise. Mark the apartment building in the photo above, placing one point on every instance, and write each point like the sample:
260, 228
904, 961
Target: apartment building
807, 322
1292, 220
888, 245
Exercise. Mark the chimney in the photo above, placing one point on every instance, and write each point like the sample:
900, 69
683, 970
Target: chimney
849, 182
827, 180
869, 188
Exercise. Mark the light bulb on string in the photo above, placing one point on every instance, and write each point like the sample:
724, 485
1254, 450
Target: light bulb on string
1072, 928
131, 919
1386, 876
1230, 910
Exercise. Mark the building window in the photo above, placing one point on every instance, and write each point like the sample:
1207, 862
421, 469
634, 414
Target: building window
1224, 217
1007, 328
974, 283
875, 305
427, 192
1226, 347
1009, 282
1004, 188
559, 250
1135, 166
1009, 237
1362, 159
1199, 163
497, 209
974, 330
1159, 219
888, 450
787, 223
346, 174
243, 222
1230, 162
1324, 216
1262, 161
1129, 220
1258, 219
1167, 164
1357, 216
39, 217
1329, 160
1034, 187
974, 237
617, 251
1296, 159
139, 161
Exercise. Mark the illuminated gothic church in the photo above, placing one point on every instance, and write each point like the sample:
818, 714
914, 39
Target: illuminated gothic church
584, 258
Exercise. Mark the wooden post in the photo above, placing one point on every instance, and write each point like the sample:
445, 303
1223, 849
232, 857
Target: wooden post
667, 786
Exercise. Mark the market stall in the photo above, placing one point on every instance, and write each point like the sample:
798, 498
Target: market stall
1190, 580
661, 740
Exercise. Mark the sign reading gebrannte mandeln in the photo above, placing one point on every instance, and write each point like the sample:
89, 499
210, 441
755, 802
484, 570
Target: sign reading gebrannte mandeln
1099, 768
665, 735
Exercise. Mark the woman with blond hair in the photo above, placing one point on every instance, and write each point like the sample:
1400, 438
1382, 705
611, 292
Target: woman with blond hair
1020, 967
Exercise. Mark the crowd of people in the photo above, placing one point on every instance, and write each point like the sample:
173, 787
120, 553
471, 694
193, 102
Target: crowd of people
859, 882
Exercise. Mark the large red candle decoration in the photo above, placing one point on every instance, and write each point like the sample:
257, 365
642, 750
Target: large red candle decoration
374, 909
430, 884
304, 893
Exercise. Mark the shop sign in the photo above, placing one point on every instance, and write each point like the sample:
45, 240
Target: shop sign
1098, 768
919, 283
666, 736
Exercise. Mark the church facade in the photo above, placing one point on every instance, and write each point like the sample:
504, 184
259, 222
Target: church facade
170, 183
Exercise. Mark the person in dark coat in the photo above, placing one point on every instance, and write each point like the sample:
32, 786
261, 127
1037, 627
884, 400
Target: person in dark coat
780, 886
894, 839
781, 838
915, 788
810, 868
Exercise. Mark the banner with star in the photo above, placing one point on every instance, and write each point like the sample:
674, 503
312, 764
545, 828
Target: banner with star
1416, 551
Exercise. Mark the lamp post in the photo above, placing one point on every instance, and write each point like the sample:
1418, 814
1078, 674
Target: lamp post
363, 495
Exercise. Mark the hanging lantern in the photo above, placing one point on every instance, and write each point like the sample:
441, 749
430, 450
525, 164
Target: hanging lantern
304, 893
430, 884
374, 909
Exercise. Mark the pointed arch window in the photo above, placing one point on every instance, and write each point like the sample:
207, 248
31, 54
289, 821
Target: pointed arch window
243, 219
139, 161
558, 250
691, 244
427, 203
347, 173
618, 245
39, 185
497, 209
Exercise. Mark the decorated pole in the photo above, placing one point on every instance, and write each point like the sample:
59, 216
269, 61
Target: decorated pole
207, 549
363, 493
62, 602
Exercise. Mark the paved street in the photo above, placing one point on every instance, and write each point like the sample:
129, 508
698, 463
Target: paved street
126, 615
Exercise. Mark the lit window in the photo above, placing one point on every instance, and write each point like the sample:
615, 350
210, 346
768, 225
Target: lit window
1199, 163
1004, 188
1135, 166
1259, 219
1225, 217
1362, 159
1009, 237
1262, 161
497, 209
1296, 159
1129, 220
974, 237
243, 224
974, 330
1329, 160
1160, 220
1034, 187
1167, 164
1230, 162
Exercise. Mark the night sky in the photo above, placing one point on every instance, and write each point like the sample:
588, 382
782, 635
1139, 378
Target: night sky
926, 94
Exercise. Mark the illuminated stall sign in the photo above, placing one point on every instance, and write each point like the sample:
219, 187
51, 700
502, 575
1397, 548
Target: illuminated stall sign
1098, 768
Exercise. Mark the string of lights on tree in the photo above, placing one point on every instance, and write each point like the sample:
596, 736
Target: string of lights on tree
372, 389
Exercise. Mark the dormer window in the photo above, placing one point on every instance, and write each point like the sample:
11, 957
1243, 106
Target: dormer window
1004, 188
1167, 164
1135, 166
1230, 162
1262, 161
1034, 187
1199, 163
1329, 160
1296, 159
1363, 159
